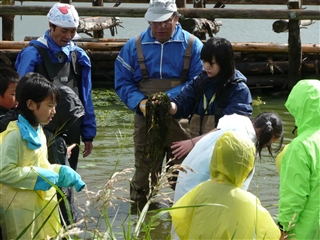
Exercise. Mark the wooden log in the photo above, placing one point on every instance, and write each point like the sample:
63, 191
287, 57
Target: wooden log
29, 38
99, 32
102, 56
180, 3
229, 13
244, 2
275, 67
270, 81
295, 51
98, 23
283, 25
198, 26
8, 23
237, 46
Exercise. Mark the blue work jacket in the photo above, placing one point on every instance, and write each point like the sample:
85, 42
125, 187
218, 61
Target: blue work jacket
163, 61
29, 57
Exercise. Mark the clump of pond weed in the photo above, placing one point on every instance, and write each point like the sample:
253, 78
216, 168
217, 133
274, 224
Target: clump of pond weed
157, 124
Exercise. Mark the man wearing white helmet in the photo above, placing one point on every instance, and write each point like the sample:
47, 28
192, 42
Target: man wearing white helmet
60, 67
161, 59
60, 60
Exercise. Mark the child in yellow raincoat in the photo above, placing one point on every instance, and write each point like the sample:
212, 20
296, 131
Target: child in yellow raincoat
28, 202
231, 213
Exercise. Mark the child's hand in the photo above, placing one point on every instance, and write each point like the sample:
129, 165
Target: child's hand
182, 148
69, 149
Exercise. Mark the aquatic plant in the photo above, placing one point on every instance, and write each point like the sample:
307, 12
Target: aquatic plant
158, 125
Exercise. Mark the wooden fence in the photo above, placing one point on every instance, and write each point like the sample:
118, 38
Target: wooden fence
294, 14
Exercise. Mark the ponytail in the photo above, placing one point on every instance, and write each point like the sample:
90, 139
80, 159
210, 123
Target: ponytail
269, 127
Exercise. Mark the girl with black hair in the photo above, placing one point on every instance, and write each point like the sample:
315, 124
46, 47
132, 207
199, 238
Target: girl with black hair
219, 90
29, 205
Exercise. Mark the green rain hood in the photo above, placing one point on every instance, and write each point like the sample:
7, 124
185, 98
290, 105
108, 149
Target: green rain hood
300, 170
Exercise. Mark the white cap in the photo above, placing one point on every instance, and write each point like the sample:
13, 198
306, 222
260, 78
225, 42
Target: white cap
63, 15
160, 10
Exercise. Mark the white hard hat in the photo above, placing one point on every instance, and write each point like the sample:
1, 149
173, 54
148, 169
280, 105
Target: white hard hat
160, 10
63, 15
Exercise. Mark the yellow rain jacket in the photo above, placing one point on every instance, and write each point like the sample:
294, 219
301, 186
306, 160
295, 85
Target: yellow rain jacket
299, 204
19, 203
234, 213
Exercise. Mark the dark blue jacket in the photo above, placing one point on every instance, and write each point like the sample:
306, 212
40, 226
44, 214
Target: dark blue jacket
239, 100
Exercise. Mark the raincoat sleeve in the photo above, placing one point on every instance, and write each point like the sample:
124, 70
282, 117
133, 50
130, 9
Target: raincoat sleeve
240, 101
127, 76
294, 184
88, 127
13, 175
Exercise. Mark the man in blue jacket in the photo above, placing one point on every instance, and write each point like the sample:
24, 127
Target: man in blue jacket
60, 60
161, 59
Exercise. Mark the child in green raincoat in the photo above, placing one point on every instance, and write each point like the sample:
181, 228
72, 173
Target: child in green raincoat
28, 201
228, 212
299, 204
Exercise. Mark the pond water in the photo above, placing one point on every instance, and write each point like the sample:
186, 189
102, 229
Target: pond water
113, 152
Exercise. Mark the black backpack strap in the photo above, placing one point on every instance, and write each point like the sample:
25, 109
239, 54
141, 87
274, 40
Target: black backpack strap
46, 60
222, 100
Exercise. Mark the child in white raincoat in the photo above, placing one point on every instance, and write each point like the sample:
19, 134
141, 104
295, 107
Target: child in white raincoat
264, 129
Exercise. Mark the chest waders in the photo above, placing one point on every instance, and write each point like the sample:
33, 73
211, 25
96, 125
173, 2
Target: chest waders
68, 74
139, 189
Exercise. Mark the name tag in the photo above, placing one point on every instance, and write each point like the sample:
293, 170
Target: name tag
64, 79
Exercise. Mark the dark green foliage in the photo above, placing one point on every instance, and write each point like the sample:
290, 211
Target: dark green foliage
158, 125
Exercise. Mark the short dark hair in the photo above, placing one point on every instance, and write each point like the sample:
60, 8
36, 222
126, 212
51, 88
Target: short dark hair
7, 76
35, 87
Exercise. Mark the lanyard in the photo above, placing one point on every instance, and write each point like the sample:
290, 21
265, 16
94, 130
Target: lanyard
205, 105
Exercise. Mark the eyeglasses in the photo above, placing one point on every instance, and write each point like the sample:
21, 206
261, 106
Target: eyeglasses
165, 24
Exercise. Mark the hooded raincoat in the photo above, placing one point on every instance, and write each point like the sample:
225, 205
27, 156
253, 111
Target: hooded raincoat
20, 205
200, 156
233, 213
299, 202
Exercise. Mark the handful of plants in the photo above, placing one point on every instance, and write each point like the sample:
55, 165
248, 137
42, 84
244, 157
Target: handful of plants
158, 125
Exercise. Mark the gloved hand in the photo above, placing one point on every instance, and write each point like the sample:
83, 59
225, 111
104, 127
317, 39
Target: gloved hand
69, 178
142, 106
45, 175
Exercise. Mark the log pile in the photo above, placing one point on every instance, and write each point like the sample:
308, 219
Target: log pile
267, 62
